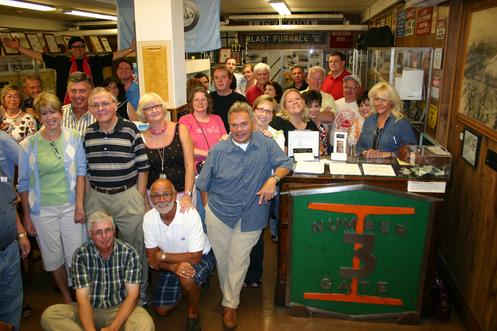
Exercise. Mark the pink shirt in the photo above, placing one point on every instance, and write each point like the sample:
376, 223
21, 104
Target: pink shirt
213, 130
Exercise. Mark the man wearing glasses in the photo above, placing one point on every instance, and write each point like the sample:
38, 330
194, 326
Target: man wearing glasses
117, 172
106, 274
76, 61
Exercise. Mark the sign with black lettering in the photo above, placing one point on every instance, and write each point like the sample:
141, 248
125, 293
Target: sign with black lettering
310, 38
358, 250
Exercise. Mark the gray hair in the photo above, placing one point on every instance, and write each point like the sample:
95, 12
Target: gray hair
261, 67
241, 107
101, 90
99, 217
317, 68
79, 77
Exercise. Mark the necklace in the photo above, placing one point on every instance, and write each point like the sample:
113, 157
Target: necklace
159, 131
161, 152
11, 117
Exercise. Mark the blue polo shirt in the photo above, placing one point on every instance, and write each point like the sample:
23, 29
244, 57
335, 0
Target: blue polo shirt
232, 177
133, 94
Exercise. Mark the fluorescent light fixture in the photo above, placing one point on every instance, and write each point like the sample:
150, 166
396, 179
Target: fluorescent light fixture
26, 5
281, 7
89, 14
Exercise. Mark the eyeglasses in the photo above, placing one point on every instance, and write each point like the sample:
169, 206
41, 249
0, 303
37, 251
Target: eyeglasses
13, 96
158, 106
78, 46
103, 105
263, 110
165, 195
56, 151
350, 87
100, 233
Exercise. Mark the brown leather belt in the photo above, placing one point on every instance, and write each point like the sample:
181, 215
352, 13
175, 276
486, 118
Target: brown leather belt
110, 190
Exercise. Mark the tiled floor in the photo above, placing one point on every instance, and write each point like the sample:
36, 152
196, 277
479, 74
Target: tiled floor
257, 311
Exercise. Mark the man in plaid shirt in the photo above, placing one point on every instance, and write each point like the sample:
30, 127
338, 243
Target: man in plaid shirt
106, 275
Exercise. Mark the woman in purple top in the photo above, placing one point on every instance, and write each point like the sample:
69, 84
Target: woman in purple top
205, 128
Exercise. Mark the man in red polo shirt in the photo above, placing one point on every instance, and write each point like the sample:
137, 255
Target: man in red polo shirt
333, 83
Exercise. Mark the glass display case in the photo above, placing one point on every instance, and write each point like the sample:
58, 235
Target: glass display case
409, 70
13, 68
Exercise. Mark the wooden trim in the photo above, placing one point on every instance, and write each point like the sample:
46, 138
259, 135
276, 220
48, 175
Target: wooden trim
459, 302
175, 112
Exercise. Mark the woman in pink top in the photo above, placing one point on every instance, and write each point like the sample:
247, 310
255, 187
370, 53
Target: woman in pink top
205, 128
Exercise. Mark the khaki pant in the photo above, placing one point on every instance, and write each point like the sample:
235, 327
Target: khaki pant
127, 209
66, 317
232, 250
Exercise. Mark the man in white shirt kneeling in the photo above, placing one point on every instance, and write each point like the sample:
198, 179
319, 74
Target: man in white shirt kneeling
177, 246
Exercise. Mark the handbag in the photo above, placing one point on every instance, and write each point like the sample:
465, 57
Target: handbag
201, 164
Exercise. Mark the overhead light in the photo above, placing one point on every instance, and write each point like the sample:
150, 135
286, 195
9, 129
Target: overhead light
281, 7
26, 5
89, 14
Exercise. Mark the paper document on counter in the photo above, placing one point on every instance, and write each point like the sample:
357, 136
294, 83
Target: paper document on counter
378, 170
345, 169
304, 167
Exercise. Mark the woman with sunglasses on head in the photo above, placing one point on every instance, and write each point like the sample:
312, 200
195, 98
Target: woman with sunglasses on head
169, 149
52, 172
386, 130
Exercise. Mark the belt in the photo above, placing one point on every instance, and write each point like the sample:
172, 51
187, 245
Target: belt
111, 190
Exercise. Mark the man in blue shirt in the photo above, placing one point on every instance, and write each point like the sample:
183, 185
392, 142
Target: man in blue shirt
237, 181
125, 73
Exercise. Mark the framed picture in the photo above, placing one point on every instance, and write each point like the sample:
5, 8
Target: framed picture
23, 41
51, 43
95, 42
105, 44
475, 106
6, 50
224, 53
35, 42
470, 147
42, 40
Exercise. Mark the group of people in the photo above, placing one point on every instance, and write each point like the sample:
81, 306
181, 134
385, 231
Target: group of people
172, 192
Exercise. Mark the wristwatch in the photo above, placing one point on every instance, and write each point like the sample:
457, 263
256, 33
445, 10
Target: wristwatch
188, 193
277, 179
163, 257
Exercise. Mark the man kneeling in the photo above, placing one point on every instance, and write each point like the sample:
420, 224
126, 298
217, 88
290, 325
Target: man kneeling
177, 245
106, 275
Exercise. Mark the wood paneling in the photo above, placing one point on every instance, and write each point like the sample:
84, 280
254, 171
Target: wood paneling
468, 245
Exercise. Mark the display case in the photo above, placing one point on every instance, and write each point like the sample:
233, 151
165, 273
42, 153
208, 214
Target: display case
14, 68
409, 70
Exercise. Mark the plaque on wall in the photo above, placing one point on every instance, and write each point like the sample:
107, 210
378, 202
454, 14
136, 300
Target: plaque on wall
23, 41
106, 45
97, 47
35, 42
51, 43
7, 50
154, 69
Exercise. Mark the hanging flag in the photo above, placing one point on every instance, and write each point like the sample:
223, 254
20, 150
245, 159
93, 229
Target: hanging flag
201, 21
125, 23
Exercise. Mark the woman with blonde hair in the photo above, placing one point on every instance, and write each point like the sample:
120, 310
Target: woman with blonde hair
384, 132
169, 148
52, 174
293, 115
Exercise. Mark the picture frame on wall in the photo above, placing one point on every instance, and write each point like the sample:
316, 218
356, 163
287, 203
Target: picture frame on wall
35, 42
470, 147
6, 50
95, 42
23, 41
53, 47
224, 53
475, 107
106, 45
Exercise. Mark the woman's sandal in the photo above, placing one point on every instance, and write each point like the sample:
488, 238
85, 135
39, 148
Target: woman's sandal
256, 284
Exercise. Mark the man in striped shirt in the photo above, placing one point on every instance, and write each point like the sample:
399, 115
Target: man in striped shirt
117, 172
76, 114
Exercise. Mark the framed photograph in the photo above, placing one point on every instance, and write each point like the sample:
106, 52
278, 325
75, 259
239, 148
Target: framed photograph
42, 40
224, 53
51, 43
105, 44
95, 42
6, 50
23, 41
475, 107
35, 42
470, 147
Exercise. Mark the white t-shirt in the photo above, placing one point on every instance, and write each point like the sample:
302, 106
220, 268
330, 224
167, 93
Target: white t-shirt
346, 114
184, 235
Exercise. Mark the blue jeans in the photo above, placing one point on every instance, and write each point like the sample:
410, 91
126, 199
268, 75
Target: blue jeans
10, 286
